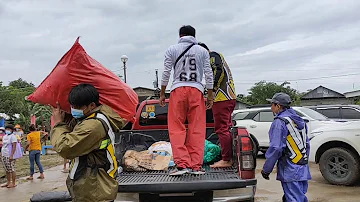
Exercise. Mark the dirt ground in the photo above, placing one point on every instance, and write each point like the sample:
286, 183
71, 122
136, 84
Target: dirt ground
23, 165
319, 189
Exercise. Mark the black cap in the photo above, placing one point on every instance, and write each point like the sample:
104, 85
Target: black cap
10, 127
282, 99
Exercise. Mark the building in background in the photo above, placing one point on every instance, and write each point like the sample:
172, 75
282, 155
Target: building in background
324, 96
241, 105
353, 96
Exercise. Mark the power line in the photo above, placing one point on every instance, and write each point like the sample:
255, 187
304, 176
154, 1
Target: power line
306, 79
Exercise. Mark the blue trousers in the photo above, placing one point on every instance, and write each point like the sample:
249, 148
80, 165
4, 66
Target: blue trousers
295, 191
34, 156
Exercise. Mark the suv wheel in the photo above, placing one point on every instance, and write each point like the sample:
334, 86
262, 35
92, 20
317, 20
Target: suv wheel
339, 166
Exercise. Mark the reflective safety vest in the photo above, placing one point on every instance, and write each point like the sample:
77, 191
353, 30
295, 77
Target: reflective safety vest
106, 150
296, 149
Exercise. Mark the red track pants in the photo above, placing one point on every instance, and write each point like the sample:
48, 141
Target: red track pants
222, 116
187, 103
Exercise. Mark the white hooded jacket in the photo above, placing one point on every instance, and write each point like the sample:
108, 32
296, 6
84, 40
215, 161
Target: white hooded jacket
190, 68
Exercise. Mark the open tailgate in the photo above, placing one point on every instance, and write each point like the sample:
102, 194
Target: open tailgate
161, 182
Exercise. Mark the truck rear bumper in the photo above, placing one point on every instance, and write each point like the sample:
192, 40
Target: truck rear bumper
230, 195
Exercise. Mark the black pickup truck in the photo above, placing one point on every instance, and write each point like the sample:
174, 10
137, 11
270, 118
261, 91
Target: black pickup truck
237, 183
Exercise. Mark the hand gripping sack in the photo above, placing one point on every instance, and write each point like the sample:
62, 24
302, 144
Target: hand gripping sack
77, 67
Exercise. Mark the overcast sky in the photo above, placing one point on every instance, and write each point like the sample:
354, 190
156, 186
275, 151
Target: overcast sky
270, 40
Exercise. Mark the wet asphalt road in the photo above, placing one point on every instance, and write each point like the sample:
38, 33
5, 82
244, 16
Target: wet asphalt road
270, 191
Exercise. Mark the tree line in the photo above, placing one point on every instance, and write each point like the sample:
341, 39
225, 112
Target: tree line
19, 110
264, 90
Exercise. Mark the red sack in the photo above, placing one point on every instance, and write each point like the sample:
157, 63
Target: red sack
76, 67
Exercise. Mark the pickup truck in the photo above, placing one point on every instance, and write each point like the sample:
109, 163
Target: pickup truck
237, 183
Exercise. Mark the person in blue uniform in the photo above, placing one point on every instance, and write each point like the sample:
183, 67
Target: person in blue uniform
289, 148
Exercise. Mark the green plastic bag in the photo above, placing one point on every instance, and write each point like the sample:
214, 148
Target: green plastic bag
212, 152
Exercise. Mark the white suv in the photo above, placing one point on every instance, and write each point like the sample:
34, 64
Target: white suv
258, 122
337, 151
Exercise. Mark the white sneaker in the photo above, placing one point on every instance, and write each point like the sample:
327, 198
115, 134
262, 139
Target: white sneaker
179, 171
198, 172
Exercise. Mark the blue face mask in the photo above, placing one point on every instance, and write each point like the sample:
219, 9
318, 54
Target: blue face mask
77, 113
8, 132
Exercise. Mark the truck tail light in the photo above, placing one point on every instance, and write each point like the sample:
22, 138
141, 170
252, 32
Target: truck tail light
244, 153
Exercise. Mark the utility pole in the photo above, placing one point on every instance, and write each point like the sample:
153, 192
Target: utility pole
156, 84
125, 72
157, 78
124, 59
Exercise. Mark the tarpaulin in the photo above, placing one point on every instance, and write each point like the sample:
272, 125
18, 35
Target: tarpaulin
76, 67
212, 152
2, 122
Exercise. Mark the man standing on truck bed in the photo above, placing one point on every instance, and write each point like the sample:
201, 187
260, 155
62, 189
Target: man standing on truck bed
90, 145
190, 62
289, 147
224, 105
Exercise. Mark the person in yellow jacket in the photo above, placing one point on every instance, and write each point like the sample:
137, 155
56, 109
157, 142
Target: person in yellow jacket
89, 144
224, 105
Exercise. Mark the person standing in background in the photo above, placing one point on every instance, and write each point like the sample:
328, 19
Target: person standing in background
34, 145
7, 156
19, 133
189, 62
224, 105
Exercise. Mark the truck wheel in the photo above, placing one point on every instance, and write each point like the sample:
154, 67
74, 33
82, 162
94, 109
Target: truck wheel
339, 166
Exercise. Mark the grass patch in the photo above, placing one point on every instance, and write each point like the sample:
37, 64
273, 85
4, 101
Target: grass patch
23, 165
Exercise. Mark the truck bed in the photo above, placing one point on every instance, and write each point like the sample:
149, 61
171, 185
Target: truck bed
161, 182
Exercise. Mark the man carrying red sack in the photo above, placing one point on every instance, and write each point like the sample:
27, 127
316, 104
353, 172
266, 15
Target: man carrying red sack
224, 105
89, 144
189, 62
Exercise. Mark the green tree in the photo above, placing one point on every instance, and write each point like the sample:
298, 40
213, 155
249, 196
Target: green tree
264, 90
13, 103
42, 113
21, 84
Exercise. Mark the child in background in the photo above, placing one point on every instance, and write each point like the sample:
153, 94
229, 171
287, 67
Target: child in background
19, 133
